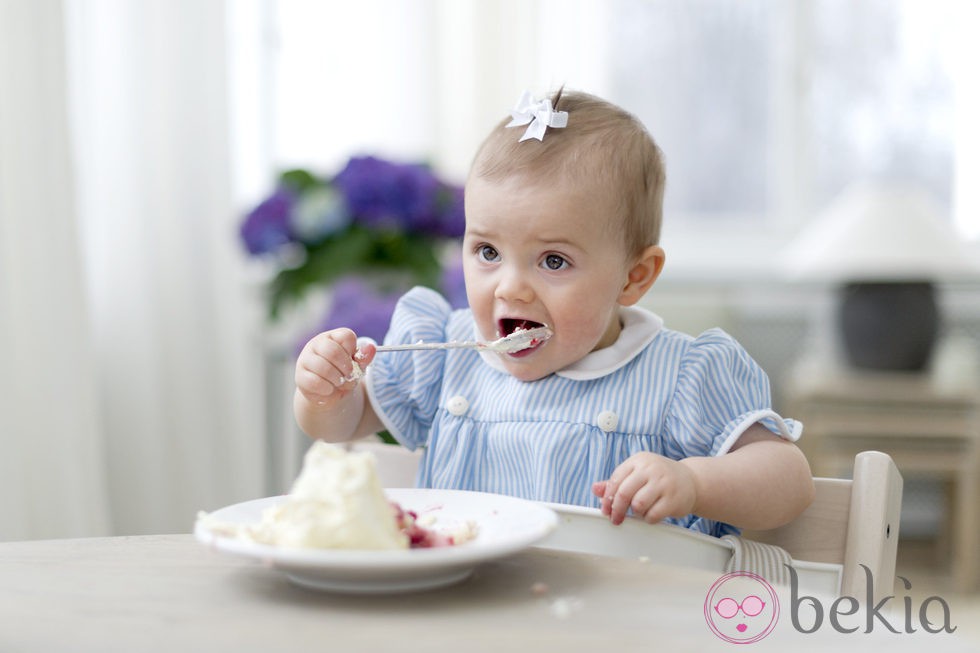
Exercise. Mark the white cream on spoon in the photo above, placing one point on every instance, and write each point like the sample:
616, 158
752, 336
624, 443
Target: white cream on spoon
517, 341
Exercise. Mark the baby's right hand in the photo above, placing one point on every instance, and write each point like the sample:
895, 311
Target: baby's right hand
324, 367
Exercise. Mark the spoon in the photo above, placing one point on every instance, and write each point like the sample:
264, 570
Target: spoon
518, 340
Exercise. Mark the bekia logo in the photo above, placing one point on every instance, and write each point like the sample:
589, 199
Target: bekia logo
874, 613
741, 608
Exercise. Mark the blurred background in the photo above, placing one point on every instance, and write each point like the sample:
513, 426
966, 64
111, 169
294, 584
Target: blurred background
141, 376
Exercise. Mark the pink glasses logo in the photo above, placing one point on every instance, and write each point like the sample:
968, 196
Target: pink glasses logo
741, 608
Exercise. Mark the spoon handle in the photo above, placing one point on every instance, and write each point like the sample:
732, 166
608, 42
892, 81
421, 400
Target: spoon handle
431, 345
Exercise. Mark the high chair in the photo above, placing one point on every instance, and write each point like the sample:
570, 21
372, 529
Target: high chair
851, 522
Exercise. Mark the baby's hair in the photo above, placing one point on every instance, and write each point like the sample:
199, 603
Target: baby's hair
603, 147
556, 98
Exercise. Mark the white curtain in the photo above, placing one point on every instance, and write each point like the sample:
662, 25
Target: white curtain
52, 466
130, 356
130, 350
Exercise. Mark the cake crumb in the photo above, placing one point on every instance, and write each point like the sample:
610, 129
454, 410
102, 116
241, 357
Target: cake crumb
356, 372
426, 520
539, 589
563, 607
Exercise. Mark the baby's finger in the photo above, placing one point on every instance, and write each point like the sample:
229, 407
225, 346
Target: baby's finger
599, 488
611, 488
645, 499
332, 362
345, 338
365, 354
330, 368
608, 492
624, 497
313, 386
659, 510
337, 340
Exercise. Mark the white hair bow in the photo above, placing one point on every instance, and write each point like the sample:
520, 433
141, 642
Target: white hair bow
539, 114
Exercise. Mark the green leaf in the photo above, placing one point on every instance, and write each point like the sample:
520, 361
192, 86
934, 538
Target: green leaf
387, 438
340, 254
343, 253
357, 250
299, 181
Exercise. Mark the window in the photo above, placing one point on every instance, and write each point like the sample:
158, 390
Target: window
701, 76
768, 109
765, 109
350, 78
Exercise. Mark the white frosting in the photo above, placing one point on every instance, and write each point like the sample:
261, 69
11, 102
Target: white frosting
519, 340
336, 503
357, 372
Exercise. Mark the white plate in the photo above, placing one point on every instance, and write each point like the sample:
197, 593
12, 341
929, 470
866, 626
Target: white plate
504, 524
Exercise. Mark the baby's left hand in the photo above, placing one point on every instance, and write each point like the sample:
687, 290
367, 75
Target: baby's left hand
653, 486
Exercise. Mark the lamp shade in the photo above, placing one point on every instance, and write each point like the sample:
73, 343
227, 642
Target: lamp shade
876, 232
884, 247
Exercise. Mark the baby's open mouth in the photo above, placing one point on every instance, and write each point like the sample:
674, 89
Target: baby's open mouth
508, 325
523, 336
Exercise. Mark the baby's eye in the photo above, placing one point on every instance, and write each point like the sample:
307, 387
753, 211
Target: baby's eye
555, 262
488, 253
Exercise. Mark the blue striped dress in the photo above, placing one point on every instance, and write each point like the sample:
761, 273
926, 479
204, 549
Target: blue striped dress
481, 429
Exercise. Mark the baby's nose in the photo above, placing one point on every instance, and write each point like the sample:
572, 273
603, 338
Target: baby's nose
514, 286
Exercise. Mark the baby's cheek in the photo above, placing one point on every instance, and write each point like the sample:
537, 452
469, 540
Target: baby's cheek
584, 334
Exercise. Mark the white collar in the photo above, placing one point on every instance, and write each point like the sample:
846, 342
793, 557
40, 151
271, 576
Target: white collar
640, 326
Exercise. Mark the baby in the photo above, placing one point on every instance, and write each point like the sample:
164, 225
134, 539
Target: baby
614, 410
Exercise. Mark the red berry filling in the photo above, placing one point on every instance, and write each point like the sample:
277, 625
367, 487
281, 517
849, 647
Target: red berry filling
418, 537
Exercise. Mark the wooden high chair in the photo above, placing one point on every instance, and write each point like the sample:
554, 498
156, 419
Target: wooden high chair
851, 522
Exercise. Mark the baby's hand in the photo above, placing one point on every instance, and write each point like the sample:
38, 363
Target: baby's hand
325, 366
653, 486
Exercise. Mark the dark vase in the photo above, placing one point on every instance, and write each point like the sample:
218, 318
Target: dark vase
889, 326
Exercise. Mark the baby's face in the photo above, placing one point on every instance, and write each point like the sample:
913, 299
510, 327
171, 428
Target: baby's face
543, 254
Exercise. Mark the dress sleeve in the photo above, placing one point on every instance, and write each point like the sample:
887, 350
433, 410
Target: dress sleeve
721, 391
403, 387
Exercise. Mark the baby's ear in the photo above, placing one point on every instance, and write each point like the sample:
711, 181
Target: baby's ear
642, 274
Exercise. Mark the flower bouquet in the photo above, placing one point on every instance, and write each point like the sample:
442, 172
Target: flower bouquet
375, 219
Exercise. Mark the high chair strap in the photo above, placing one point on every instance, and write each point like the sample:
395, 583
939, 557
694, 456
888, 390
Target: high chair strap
765, 560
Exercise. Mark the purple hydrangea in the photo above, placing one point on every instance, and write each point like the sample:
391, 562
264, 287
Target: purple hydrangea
355, 214
453, 284
359, 306
267, 227
383, 194
452, 222
320, 212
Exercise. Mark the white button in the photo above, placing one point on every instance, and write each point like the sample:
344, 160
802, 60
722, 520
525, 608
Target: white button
607, 420
458, 405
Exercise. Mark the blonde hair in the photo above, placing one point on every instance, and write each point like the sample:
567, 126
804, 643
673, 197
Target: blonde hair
602, 145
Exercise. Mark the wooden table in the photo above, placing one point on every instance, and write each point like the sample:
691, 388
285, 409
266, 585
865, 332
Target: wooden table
170, 593
929, 429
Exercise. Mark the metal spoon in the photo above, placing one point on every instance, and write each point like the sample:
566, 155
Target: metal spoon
509, 344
